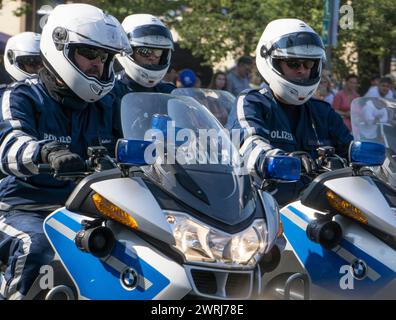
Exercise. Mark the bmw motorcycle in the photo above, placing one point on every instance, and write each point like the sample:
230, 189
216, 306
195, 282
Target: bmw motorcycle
164, 222
341, 231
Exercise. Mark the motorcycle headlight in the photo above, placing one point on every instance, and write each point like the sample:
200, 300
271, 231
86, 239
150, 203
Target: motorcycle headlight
199, 242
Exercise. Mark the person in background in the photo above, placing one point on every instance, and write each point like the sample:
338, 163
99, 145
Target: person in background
324, 91
238, 79
372, 115
198, 82
343, 98
152, 46
219, 81
382, 90
171, 75
22, 56
374, 80
393, 82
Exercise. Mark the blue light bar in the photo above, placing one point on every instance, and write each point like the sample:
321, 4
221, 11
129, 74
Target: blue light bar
283, 168
133, 152
365, 153
160, 122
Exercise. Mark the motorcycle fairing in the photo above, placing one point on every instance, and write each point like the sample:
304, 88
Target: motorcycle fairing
100, 278
325, 266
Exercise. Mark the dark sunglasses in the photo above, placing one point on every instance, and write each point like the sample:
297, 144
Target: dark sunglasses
92, 53
29, 61
295, 64
147, 52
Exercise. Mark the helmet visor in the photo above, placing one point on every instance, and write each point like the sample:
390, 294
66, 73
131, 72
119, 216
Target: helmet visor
100, 33
305, 45
151, 35
30, 64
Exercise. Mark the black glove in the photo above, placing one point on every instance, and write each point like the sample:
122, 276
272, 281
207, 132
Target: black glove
60, 158
308, 165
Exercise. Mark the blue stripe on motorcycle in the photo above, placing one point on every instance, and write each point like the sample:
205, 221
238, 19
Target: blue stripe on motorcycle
95, 278
67, 221
299, 214
324, 265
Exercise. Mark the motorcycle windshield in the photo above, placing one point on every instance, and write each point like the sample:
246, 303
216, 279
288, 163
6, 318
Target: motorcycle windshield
195, 159
374, 119
218, 102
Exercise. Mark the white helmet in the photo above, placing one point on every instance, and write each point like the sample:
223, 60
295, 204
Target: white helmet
22, 49
286, 39
72, 25
145, 30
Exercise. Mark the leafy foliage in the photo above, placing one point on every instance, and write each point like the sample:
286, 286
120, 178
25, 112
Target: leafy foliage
215, 29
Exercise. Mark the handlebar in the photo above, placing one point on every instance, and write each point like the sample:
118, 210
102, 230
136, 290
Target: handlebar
67, 175
93, 164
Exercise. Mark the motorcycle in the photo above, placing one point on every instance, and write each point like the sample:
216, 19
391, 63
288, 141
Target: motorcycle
219, 102
341, 232
163, 223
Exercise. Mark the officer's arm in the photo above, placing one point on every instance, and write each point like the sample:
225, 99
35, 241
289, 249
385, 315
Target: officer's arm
252, 111
339, 133
20, 145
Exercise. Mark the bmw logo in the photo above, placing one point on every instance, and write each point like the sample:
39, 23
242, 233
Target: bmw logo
129, 279
359, 269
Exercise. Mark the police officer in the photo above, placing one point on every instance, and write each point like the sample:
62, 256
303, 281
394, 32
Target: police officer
283, 117
144, 68
53, 120
22, 56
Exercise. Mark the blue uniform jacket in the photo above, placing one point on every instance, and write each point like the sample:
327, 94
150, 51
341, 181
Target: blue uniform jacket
31, 118
265, 127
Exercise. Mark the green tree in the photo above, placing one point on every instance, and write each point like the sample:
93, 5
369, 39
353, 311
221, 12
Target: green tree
215, 29
371, 40
122, 8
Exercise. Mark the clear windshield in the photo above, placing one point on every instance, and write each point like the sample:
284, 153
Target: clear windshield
181, 123
374, 119
195, 160
218, 102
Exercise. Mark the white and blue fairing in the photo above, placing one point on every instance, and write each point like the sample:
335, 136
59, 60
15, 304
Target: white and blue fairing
374, 278
97, 278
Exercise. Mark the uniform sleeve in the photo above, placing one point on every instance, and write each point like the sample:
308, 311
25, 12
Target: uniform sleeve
339, 133
252, 109
19, 140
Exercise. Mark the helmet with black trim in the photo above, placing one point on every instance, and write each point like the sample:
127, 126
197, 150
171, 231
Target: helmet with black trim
286, 39
22, 55
146, 31
73, 26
